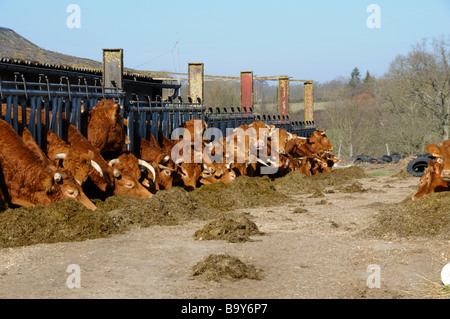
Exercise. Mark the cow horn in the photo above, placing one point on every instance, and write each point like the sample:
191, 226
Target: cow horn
60, 156
116, 173
166, 158
165, 167
287, 163
57, 177
261, 162
205, 167
113, 162
96, 167
149, 167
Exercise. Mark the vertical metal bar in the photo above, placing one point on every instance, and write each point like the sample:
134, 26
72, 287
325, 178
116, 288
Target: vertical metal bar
130, 131
283, 96
32, 123
73, 112
39, 121
154, 125
166, 123
54, 114
142, 122
23, 107
47, 112
67, 109
308, 96
8, 109
60, 117
195, 81
16, 113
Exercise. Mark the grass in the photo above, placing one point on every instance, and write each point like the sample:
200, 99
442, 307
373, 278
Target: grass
377, 174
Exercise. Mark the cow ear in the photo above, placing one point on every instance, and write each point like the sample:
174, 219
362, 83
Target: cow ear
434, 150
115, 112
90, 154
46, 182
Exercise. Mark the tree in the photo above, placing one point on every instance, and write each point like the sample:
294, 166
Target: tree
423, 81
355, 78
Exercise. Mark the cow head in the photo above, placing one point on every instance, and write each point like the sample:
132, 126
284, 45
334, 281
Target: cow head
127, 175
320, 142
431, 181
80, 164
70, 188
218, 172
442, 155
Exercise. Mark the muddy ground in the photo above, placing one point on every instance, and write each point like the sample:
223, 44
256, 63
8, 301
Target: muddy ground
322, 243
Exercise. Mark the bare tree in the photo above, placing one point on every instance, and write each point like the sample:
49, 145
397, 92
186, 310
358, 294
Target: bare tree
426, 75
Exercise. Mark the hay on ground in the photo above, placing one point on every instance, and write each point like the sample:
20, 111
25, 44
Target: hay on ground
233, 230
243, 192
428, 217
218, 267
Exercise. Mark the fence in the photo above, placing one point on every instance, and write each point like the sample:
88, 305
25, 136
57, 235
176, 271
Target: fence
49, 103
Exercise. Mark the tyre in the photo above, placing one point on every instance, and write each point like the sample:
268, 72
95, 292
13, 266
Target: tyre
417, 166
360, 159
385, 159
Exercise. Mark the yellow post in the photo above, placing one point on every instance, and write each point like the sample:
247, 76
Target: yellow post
308, 101
283, 96
195, 86
113, 68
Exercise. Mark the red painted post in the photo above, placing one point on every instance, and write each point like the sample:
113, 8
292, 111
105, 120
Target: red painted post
283, 96
246, 91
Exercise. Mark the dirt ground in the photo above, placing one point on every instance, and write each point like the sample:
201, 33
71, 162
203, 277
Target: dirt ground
312, 247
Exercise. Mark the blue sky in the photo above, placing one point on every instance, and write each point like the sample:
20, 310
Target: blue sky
312, 40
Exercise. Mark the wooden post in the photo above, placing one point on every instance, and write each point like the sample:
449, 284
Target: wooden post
283, 96
113, 69
308, 101
246, 90
195, 85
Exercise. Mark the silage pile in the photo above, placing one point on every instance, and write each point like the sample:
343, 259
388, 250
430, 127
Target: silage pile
233, 230
68, 220
219, 267
427, 217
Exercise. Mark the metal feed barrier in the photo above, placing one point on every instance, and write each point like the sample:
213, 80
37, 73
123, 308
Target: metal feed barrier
57, 101
53, 101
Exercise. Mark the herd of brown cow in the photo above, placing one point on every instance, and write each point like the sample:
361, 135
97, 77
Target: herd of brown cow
95, 159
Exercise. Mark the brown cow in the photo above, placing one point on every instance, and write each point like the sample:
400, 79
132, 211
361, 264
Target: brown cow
319, 142
280, 138
28, 180
70, 187
104, 128
431, 181
443, 154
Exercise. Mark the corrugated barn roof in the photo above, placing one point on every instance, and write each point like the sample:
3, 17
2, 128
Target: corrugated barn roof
16, 49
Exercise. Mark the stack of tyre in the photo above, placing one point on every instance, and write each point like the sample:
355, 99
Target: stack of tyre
385, 159
416, 167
